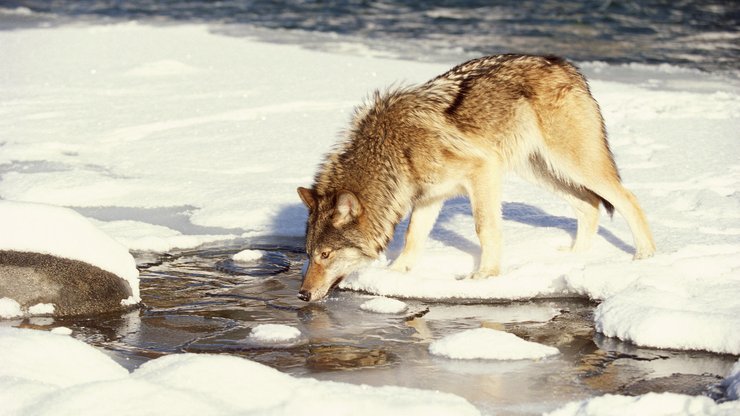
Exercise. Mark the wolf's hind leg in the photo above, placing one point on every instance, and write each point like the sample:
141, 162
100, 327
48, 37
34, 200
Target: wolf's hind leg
626, 204
599, 175
421, 223
586, 207
585, 203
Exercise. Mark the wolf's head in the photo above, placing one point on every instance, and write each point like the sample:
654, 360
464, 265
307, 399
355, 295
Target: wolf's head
335, 242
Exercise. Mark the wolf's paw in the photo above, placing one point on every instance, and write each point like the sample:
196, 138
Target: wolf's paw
576, 247
401, 265
644, 252
485, 274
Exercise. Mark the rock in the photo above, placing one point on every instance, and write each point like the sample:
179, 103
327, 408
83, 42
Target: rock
73, 287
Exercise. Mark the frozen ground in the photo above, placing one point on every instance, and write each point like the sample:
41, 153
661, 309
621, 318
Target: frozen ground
173, 136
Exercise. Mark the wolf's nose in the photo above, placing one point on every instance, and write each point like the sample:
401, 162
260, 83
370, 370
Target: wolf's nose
304, 295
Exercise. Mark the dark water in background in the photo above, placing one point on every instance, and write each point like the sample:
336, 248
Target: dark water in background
700, 34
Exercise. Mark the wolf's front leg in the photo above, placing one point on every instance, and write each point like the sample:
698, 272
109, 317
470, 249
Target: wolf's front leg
421, 223
485, 199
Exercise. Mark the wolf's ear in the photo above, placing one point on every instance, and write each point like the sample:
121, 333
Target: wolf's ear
307, 196
347, 208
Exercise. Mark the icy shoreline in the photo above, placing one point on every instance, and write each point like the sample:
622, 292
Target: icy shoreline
174, 136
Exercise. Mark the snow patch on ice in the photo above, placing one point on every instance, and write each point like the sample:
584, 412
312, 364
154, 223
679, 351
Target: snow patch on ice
274, 333
41, 309
489, 344
61, 330
248, 255
384, 305
9, 308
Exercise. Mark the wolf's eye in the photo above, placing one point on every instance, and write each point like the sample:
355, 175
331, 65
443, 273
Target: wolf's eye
325, 254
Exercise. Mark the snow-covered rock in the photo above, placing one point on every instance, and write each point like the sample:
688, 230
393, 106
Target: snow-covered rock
54, 261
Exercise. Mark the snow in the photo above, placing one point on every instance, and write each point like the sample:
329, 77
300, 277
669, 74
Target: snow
61, 330
47, 374
274, 333
248, 255
62, 232
41, 309
9, 308
137, 235
692, 304
137, 125
41, 357
489, 344
384, 305
654, 404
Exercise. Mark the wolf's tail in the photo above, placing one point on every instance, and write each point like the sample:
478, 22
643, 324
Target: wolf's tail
608, 206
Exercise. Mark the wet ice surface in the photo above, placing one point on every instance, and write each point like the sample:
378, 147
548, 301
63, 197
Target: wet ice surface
205, 302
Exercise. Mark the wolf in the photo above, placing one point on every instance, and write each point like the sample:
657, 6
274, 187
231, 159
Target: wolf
411, 148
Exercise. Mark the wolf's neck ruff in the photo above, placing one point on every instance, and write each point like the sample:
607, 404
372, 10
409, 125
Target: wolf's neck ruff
373, 167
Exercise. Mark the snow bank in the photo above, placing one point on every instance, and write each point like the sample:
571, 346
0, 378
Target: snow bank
654, 404
384, 305
51, 360
693, 304
426, 283
47, 374
61, 232
9, 308
489, 344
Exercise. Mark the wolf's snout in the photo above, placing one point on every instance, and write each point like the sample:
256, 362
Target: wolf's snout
304, 295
